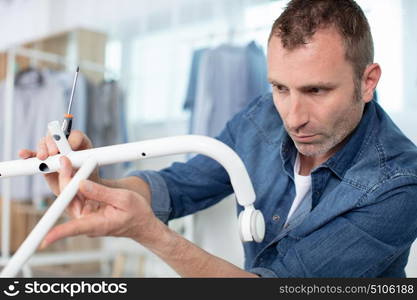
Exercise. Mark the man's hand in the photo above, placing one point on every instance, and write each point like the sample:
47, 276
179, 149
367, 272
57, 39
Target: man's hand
47, 147
117, 209
120, 213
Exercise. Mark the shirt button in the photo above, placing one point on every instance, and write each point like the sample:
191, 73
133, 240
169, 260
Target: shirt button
275, 218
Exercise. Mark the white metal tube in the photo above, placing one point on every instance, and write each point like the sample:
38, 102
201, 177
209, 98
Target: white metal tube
69, 257
7, 153
66, 257
59, 137
36, 236
211, 147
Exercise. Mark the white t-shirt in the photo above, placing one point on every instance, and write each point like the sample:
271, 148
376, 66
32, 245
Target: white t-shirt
302, 188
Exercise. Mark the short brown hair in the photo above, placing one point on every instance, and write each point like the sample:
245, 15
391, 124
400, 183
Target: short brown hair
302, 18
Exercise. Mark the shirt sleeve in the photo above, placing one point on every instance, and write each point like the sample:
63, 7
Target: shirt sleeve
161, 202
363, 242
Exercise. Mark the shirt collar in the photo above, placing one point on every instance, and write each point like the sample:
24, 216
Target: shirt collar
344, 158
288, 153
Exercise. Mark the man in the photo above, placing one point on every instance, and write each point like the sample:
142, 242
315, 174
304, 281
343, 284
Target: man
334, 177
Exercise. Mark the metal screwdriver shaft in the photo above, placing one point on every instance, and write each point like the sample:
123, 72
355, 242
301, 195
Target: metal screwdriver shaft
67, 123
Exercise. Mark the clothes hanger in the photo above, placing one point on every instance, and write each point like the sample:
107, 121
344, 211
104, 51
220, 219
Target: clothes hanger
25, 72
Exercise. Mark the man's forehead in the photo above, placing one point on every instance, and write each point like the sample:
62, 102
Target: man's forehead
323, 59
327, 38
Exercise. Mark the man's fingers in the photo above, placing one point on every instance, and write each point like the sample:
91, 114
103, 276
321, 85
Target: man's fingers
75, 207
42, 150
90, 206
47, 146
64, 177
65, 172
78, 141
94, 191
51, 146
52, 180
85, 225
26, 153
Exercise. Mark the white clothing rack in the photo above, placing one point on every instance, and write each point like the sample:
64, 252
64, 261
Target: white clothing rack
229, 34
62, 60
56, 257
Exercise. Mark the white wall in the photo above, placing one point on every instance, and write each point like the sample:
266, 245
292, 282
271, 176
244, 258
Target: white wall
23, 20
27, 20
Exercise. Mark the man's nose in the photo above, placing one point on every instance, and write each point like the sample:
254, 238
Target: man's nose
297, 115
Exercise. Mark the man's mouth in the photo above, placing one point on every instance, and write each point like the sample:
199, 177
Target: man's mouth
303, 138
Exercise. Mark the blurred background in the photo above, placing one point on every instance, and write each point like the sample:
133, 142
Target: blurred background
146, 67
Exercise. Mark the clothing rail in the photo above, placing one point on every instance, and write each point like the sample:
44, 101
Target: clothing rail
59, 258
229, 34
62, 60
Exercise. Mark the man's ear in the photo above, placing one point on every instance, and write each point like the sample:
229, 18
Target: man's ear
370, 80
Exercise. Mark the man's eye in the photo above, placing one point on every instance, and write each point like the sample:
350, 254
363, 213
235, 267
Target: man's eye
279, 88
315, 90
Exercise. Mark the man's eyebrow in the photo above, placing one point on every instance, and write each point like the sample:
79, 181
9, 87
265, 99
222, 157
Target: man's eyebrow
319, 84
274, 82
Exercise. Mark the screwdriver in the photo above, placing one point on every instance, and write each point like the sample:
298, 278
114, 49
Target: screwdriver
67, 123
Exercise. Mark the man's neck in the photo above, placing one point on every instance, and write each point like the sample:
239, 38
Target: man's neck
308, 163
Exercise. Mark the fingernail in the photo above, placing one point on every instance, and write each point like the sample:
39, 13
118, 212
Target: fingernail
61, 164
77, 214
43, 245
88, 208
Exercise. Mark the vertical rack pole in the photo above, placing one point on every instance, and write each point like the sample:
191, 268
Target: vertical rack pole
7, 152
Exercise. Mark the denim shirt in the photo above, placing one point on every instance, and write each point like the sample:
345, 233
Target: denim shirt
360, 221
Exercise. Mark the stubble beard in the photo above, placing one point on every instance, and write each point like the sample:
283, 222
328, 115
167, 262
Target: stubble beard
343, 129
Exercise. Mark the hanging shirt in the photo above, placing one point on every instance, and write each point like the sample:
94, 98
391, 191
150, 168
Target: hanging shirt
79, 103
189, 102
229, 78
106, 123
35, 104
257, 75
221, 88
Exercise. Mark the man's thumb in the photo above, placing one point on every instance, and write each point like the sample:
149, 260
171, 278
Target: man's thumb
86, 186
98, 192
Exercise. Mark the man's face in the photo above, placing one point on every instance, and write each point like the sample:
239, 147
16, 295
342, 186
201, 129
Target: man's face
314, 92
